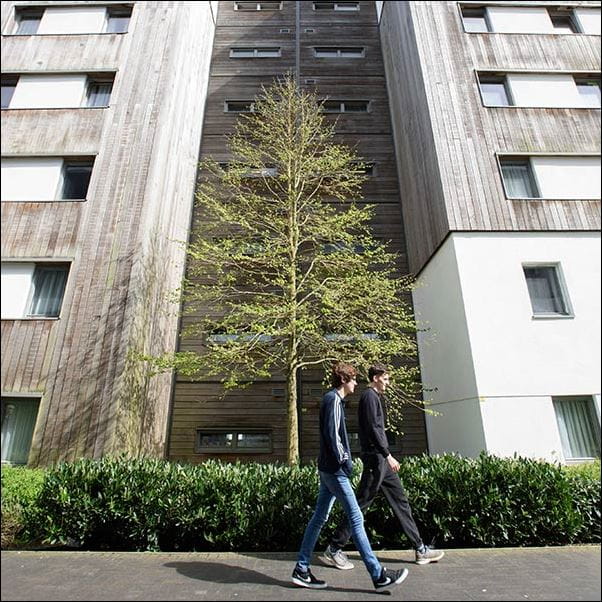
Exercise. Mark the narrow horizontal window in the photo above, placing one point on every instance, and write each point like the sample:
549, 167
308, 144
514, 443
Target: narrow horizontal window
345, 106
253, 6
339, 6
238, 106
366, 168
234, 440
339, 51
545, 290
260, 52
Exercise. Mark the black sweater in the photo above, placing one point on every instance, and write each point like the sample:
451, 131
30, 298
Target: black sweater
371, 414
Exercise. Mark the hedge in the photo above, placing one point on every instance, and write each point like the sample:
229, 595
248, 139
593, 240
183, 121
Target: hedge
148, 504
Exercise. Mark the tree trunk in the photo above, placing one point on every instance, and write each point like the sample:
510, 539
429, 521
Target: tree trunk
292, 424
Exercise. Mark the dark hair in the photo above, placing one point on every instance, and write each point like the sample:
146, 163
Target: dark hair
376, 370
342, 373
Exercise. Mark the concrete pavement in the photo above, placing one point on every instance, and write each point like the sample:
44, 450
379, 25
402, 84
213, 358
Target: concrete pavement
563, 573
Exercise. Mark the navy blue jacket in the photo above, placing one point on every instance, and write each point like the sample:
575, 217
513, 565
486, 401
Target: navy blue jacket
334, 443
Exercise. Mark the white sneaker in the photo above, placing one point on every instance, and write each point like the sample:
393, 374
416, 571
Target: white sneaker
426, 555
336, 558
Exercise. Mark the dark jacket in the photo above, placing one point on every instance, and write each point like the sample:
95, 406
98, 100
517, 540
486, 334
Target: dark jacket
334, 443
371, 415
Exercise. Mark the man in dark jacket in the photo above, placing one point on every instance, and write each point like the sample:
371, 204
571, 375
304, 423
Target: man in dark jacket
335, 467
379, 473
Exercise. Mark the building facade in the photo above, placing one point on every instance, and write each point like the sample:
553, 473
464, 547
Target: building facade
102, 109
496, 115
481, 125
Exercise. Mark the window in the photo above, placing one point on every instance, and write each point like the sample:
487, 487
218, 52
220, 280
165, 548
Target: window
494, 90
563, 22
588, 90
328, 52
48, 288
98, 92
118, 20
32, 289
247, 52
28, 20
518, 178
340, 6
238, 106
258, 6
76, 177
366, 168
475, 19
19, 416
345, 106
9, 83
545, 290
578, 427
233, 441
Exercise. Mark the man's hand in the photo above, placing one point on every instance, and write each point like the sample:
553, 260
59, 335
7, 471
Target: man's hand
393, 463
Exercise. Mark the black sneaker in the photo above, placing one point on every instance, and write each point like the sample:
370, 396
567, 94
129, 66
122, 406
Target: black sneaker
306, 579
389, 579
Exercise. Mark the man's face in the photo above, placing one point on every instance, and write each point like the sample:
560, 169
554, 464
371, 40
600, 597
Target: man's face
381, 382
349, 386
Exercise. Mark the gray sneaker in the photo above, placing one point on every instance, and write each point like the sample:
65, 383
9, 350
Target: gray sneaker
336, 558
426, 555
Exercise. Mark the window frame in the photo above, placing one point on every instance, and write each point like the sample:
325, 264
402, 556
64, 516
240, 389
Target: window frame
6, 78
117, 12
20, 12
73, 162
235, 448
95, 80
258, 6
339, 52
556, 13
230, 101
585, 81
502, 80
519, 159
336, 6
9, 398
38, 267
343, 106
594, 422
256, 52
564, 299
475, 9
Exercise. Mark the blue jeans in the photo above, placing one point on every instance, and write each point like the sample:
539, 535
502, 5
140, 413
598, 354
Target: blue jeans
337, 486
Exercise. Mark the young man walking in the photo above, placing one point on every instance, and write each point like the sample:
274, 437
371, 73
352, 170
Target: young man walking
379, 473
335, 467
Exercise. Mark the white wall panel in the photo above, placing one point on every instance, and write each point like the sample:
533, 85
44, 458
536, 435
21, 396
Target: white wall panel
523, 19
90, 19
30, 179
567, 177
49, 91
544, 90
16, 283
589, 20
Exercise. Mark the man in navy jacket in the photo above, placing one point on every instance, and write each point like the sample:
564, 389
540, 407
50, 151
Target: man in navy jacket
335, 467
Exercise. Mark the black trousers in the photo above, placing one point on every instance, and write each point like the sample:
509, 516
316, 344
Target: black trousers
377, 475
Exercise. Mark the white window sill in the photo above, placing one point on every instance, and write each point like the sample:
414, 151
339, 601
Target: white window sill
552, 317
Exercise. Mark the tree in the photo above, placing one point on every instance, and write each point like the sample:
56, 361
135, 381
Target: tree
284, 273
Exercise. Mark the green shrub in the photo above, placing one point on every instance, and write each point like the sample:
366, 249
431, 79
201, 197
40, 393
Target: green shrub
20, 489
143, 504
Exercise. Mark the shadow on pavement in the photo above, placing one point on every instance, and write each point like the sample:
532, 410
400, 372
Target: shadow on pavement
224, 573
